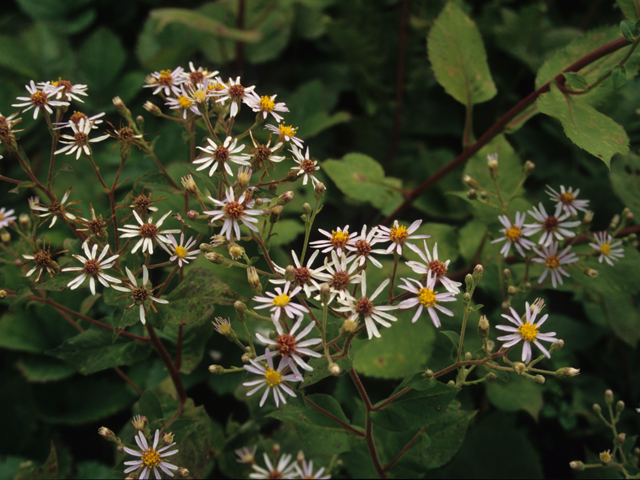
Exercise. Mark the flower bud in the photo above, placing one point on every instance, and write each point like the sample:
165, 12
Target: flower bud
183, 472
152, 109
300, 458
235, 251
318, 190
468, 280
472, 194
492, 163
451, 383
468, 356
620, 406
477, 273
107, 434
254, 280
620, 438
214, 257
605, 458
131, 476
325, 293
306, 209
608, 396
568, 372
507, 273
167, 439
629, 216
588, 216
192, 215
470, 181
246, 357
614, 222
121, 108
490, 345
511, 290
577, 465
529, 167
5, 237
466, 297
139, 422
334, 369
596, 408
519, 368
140, 122
556, 346
216, 369
240, 307
217, 240
24, 220
206, 247
491, 376
3, 294
483, 326
274, 214
276, 449
290, 273
189, 184
590, 272
428, 373
540, 379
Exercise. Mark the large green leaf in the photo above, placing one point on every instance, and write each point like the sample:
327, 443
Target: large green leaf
625, 179
102, 56
519, 394
319, 433
362, 178
630, 8
36, 368
458, 57
586, 127
93, 350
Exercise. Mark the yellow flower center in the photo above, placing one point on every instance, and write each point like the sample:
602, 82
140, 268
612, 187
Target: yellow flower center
552, 262
287, 131
281, 300
181, 252
151, 458
528, 331
1, 216
165, 77
266, 104
224, 328
427, 297
605, 248
399, 233
184, 101
566, 198
216, 86
200, 96
513, 234
339, 239
273, 377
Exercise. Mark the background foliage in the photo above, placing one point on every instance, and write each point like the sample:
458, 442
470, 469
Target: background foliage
335, 65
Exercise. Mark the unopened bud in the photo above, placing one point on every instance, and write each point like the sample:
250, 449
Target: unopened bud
519, 368
620, 406
273, 188
596, 408
276, 449
608, 396
254, 280
121, 107
590, 272
577, 465
620, 438
556, 346
614, 222
529, 167
490, 346
468, 280
451, 383
483, 326
306, 209
428, 373
167, 439
107, 434
240, 307
466, 297
468, 356
274, 214
24, 220
189, 184
472, 194
183, 472
629, 216
235, 251
192, 215
5, 237
527, 285
139, 422
246, 357
540, 379
478, 270
216, 369
605, 458
334, 369
568, 372
214, 257
300, 458
511, 290
152, 109
472, 182
325, 293
491, 376
507, 273
492, 163
140, 122
3, 294
588, 216
206, 247
349, 326
318, 190
290, 273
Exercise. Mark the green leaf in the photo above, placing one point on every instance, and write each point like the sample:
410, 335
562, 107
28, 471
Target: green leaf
625, 179
415, 409
43, 369
318, 433
150, 406
586, 127
22, 333
519, 394
453, 337
629, 30
93, 351
47, 471
575, 80
13, 57
458, 58
199, 291
618, 76
102, 57
92, 469
629, 8
362, 178
321, 370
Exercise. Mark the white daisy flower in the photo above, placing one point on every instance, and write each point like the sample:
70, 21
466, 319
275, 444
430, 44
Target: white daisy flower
185, 102
6, 217
398, 234
266, 106
551, 226
181, 250
197, 76
306, 166
79, 141
306, 471
335, 240
286, 133
75, 119
92, 268
431, 264
148, 232
527, 331
294, 347
283, 469
363, 307
554, 261
246, 454
427, 298
43, 260
151, 458
514, 235
304, 277
237, 93
281, 301
233, 211
166, 81
567, 199
56, 209
361, 245
64, 90
340, 275
274, 379
607, 250
140, 294
38, 98
7, 124
222, 155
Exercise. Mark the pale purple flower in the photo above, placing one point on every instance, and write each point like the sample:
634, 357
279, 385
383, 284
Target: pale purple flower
222, 155
514, 235
151, 458
149, 233
273, 379
554, 261
288, 344
431, 264
181, 251
398, 234
234, 211
550, 225
426, 297
281, 302
306, 166
567, 199
39, 98
283, 469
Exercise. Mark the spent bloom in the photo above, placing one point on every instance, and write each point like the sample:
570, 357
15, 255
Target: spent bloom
39, 98
273, 379
140, 294
6, 217
527, 332
550, 225
43, 259
246, 454
79, 141
148, 232
56, 209
281, 302
426, 297
306, 166
92, 267
288, 344
150, 458
567, 199
221, 155
554, 261
182, 251
514, 235
607, 249
234, 211
283, 469
431, 264
398, 234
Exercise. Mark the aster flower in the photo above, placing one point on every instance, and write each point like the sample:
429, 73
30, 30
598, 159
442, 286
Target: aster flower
140, 294
181, 250
306, 471
64, 90
554, 261
361, 245
568, 199
222, 155
75, 119
286, 133
306, 166
336, 240
263, 153
283, 469
186, 102
166, 81
281, 302
97, 226
274, 379
151, 458
7, 132
363, 307
294, 347
398, 234
551, 226
234, 211
426, 297
237, 93
79, 141
339, 274
527, 332
56, 209
607, 250
431, 264
266, 106
43, 259
196, 76
39, 99
514, 235
246, 455
304, 277
6, 217
143, 203
92, 268
148, 232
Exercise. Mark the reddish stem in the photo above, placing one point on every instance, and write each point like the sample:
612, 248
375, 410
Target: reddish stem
164, 355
